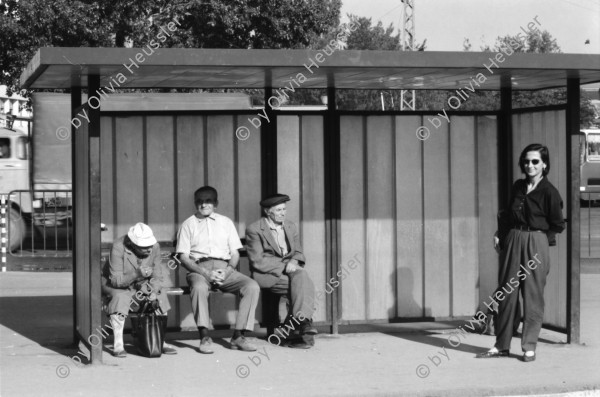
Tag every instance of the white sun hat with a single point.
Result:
(141, 235)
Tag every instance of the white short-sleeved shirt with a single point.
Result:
(214, 236)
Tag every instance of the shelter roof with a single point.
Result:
(62, 67)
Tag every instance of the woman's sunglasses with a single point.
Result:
(534, 161)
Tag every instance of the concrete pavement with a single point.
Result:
(420, 359)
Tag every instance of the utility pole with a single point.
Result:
(407, 43)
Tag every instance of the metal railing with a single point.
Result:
(590, 225)
(40, 223)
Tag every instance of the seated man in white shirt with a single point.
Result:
(208, 245)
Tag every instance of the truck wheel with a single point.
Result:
(16, 234)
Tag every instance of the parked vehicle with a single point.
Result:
(590, 166)
(14, 175)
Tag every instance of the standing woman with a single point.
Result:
(535, 210)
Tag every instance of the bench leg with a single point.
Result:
(270, 308)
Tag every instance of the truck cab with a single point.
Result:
(590, 166)
(14, 175)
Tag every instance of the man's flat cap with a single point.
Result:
(273, 200)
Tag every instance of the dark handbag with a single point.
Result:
(149, 332)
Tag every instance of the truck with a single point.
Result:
(590, 166)
(14, 175)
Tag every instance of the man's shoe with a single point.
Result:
(168, 349)
(528, 359)
(493, 354)
(206, 346)
(299, 344)
(119, 353)
(307, 328)
(241, 343)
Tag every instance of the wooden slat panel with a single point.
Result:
(288, 164)
(538, 129)
(313, 204)
(557, 309)
(548, 129)
(249, 181)
(560, 168)
(353, 239)
(488, 206)
(106, 142)
(409, 217)
(463, 169)
(129, 184)
(437, 228)
(221, 175)
(556, 284)
(220, 162)
(161, 184)
(190, 163)
(82, 247)
(381, 254)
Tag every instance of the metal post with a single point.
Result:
(94, 228)
(332, 202)
(268, 138)
(505, 150)
(573, 228)
(75, 103)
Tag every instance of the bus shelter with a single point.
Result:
(397, 208)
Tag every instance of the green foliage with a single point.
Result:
(27, 25)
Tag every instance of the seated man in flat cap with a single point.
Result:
(277, 263)
(208, 245)
(137, 273)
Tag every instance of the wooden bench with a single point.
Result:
(270, 301)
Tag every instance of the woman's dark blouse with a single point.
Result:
(541, 209)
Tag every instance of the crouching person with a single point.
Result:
(136, 274)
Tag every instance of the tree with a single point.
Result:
(368, 36)
(26, 25)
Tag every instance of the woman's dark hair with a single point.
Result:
(542, 150)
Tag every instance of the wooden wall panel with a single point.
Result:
(249, 184)
(190, 163)
(160, 187)
(488, 206)
(409, 217)
(548, 128)
(82, 218)
(381, 239)
(560, 167)
(107, 179)
(463, 199)
(129, 183)
(353, 238)
(289, 167)
(220, 162)
(191, 171)
(313, 205)
(249, 177)
(437, 223)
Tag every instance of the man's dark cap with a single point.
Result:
(273, 200)
(206, 190)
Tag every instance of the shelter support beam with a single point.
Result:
(573, 214)
(75, 104)
(505, 143)
(94, 230)
(332, 205)
(269, 145)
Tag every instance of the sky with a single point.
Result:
(446, 23)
